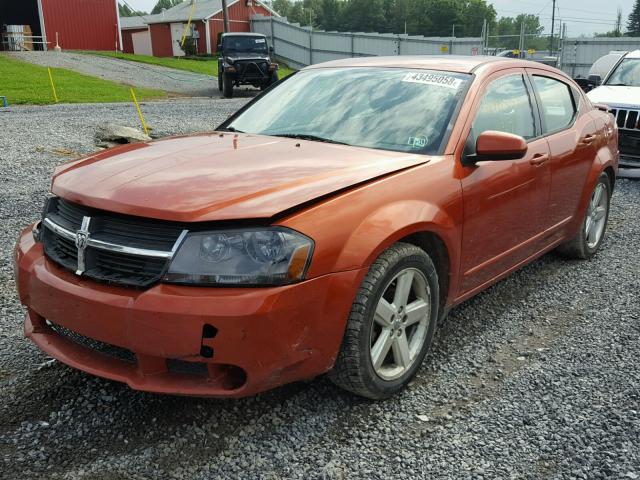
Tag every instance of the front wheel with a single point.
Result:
(273, 78)
(589, 239)
(227, 85)
(220, 81)
(391, 325)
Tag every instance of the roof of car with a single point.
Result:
(634, 54)
(451, 63)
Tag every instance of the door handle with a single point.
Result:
(589, 139)
(539, 159)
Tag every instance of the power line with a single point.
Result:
(564, 8)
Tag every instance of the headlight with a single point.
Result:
(260, 256)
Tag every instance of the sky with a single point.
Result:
(583, 17)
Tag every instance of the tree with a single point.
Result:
(633, 26)
(165, 4)
(365, 15)
(125, 11)
(283, 7)
(508, 31)
(330, 17)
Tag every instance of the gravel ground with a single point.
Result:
(132, 73)
(539, 377)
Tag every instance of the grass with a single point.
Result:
(205, 65)
(24, 83)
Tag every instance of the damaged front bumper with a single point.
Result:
(215, 342)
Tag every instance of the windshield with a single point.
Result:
(627, 73)
(244, 44)
(390, 109)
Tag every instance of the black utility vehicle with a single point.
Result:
(245, 60)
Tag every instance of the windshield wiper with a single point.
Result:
(304, 136)
(230, 129)
(617, 85)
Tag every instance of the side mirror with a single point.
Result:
(596, 80)
(498, 146)
(271, 49)
(219, 47)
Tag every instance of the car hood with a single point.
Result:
(619, 96)
(220, 176)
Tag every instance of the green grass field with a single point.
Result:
(205, 65)
(24, 83)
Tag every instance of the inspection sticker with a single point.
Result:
(433, 79)
(261, 40)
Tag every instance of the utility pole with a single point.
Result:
(553, 27)
(225, 16)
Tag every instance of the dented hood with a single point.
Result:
(220, 176)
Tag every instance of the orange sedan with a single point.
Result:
(326, 227)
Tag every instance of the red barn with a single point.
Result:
(167, 28)
(77, 24)
(135, 35)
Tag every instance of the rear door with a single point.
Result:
(573, 140)
(505, 202)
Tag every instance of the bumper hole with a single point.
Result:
(209, 331)
(230, 377)
(187, 368)
(206, 352)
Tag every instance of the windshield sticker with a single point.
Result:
(418, 143)
(260, 40)
(433, 79)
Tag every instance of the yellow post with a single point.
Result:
(184, 34)
(144, 124)
(53, 87)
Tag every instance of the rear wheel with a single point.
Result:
(220, 81)
(588, 240)
(227, 85)
(391, 324)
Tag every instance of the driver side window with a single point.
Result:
(506, 107)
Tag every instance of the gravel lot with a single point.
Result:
(539, 377)
(132, 73)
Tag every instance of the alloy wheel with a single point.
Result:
(400, 324)
(596, 216)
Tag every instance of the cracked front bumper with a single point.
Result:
(243, 340)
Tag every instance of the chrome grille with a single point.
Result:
(116, 248)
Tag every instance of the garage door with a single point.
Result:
(142, 43)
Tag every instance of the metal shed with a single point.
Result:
(76, 24)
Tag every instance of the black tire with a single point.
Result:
(220, 81)
(272, 79)
(227, 85)
(354, 370)
(579, 246)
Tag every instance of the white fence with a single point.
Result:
(302, 46)
(578, 54)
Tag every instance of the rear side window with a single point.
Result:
(557, 104)
(506, 107)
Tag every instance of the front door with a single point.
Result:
(505, 202)
(177, 31)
